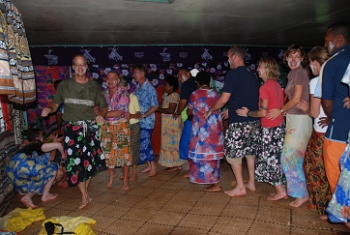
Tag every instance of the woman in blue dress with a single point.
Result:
(31, 169)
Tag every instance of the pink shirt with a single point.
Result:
(119, 101)
(272, 91)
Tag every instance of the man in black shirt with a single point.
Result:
(188, 86)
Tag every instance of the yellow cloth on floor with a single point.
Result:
(19, 218)
(80, 225)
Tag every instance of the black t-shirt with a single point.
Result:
(30, 148)
(187, 88)
(243, 86)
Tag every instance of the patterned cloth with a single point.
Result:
(204, 171)
(115, 144)
(83, 152)
(315, 174)
(241, 139)
(17, 78)
(207, 141)
(146, 152)
(298, 132)
(135, 142)
(206, 136)
(268, 166)
(340, 202)
(119, 101)
(30, 173)
(147, 97)
(171, 131)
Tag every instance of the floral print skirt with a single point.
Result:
(298, 132)
(315, 174)
(268, 158)
(83, 152)
(204, 171)
(115, 144)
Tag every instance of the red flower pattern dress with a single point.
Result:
(206, 146)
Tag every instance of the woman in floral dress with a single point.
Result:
(206, 146)
(171, 128)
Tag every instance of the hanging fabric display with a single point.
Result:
(17, 79)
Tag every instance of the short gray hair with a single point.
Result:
(123, 82)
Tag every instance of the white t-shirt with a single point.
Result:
(317, 127)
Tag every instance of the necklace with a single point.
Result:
(202, 87)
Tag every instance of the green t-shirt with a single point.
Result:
(79, 99)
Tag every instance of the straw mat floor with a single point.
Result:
(169, 204)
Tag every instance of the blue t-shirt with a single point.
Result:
(147, 96)
(187, 88)
(243, 86)
(333, 89)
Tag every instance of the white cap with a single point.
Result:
(194, 72)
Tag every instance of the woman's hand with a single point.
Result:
(207, 114)
(242, 112)
(224, 114)
(273, 113)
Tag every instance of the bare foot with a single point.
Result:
(324, 217)
(171, 168)
(82, 206)
(110, 180)
(133, 177)
(213, 188)
(151, 174)
(28, 202)
(179, 168)
(347, 224)
(236, 192)
(147, 169)
(298, 202)
(125, 187)
(187, 175)
(277, 196)
(122, 177)
(250, 186)
(48, 197)
(84, 203)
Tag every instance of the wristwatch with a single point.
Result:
(281, 110)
